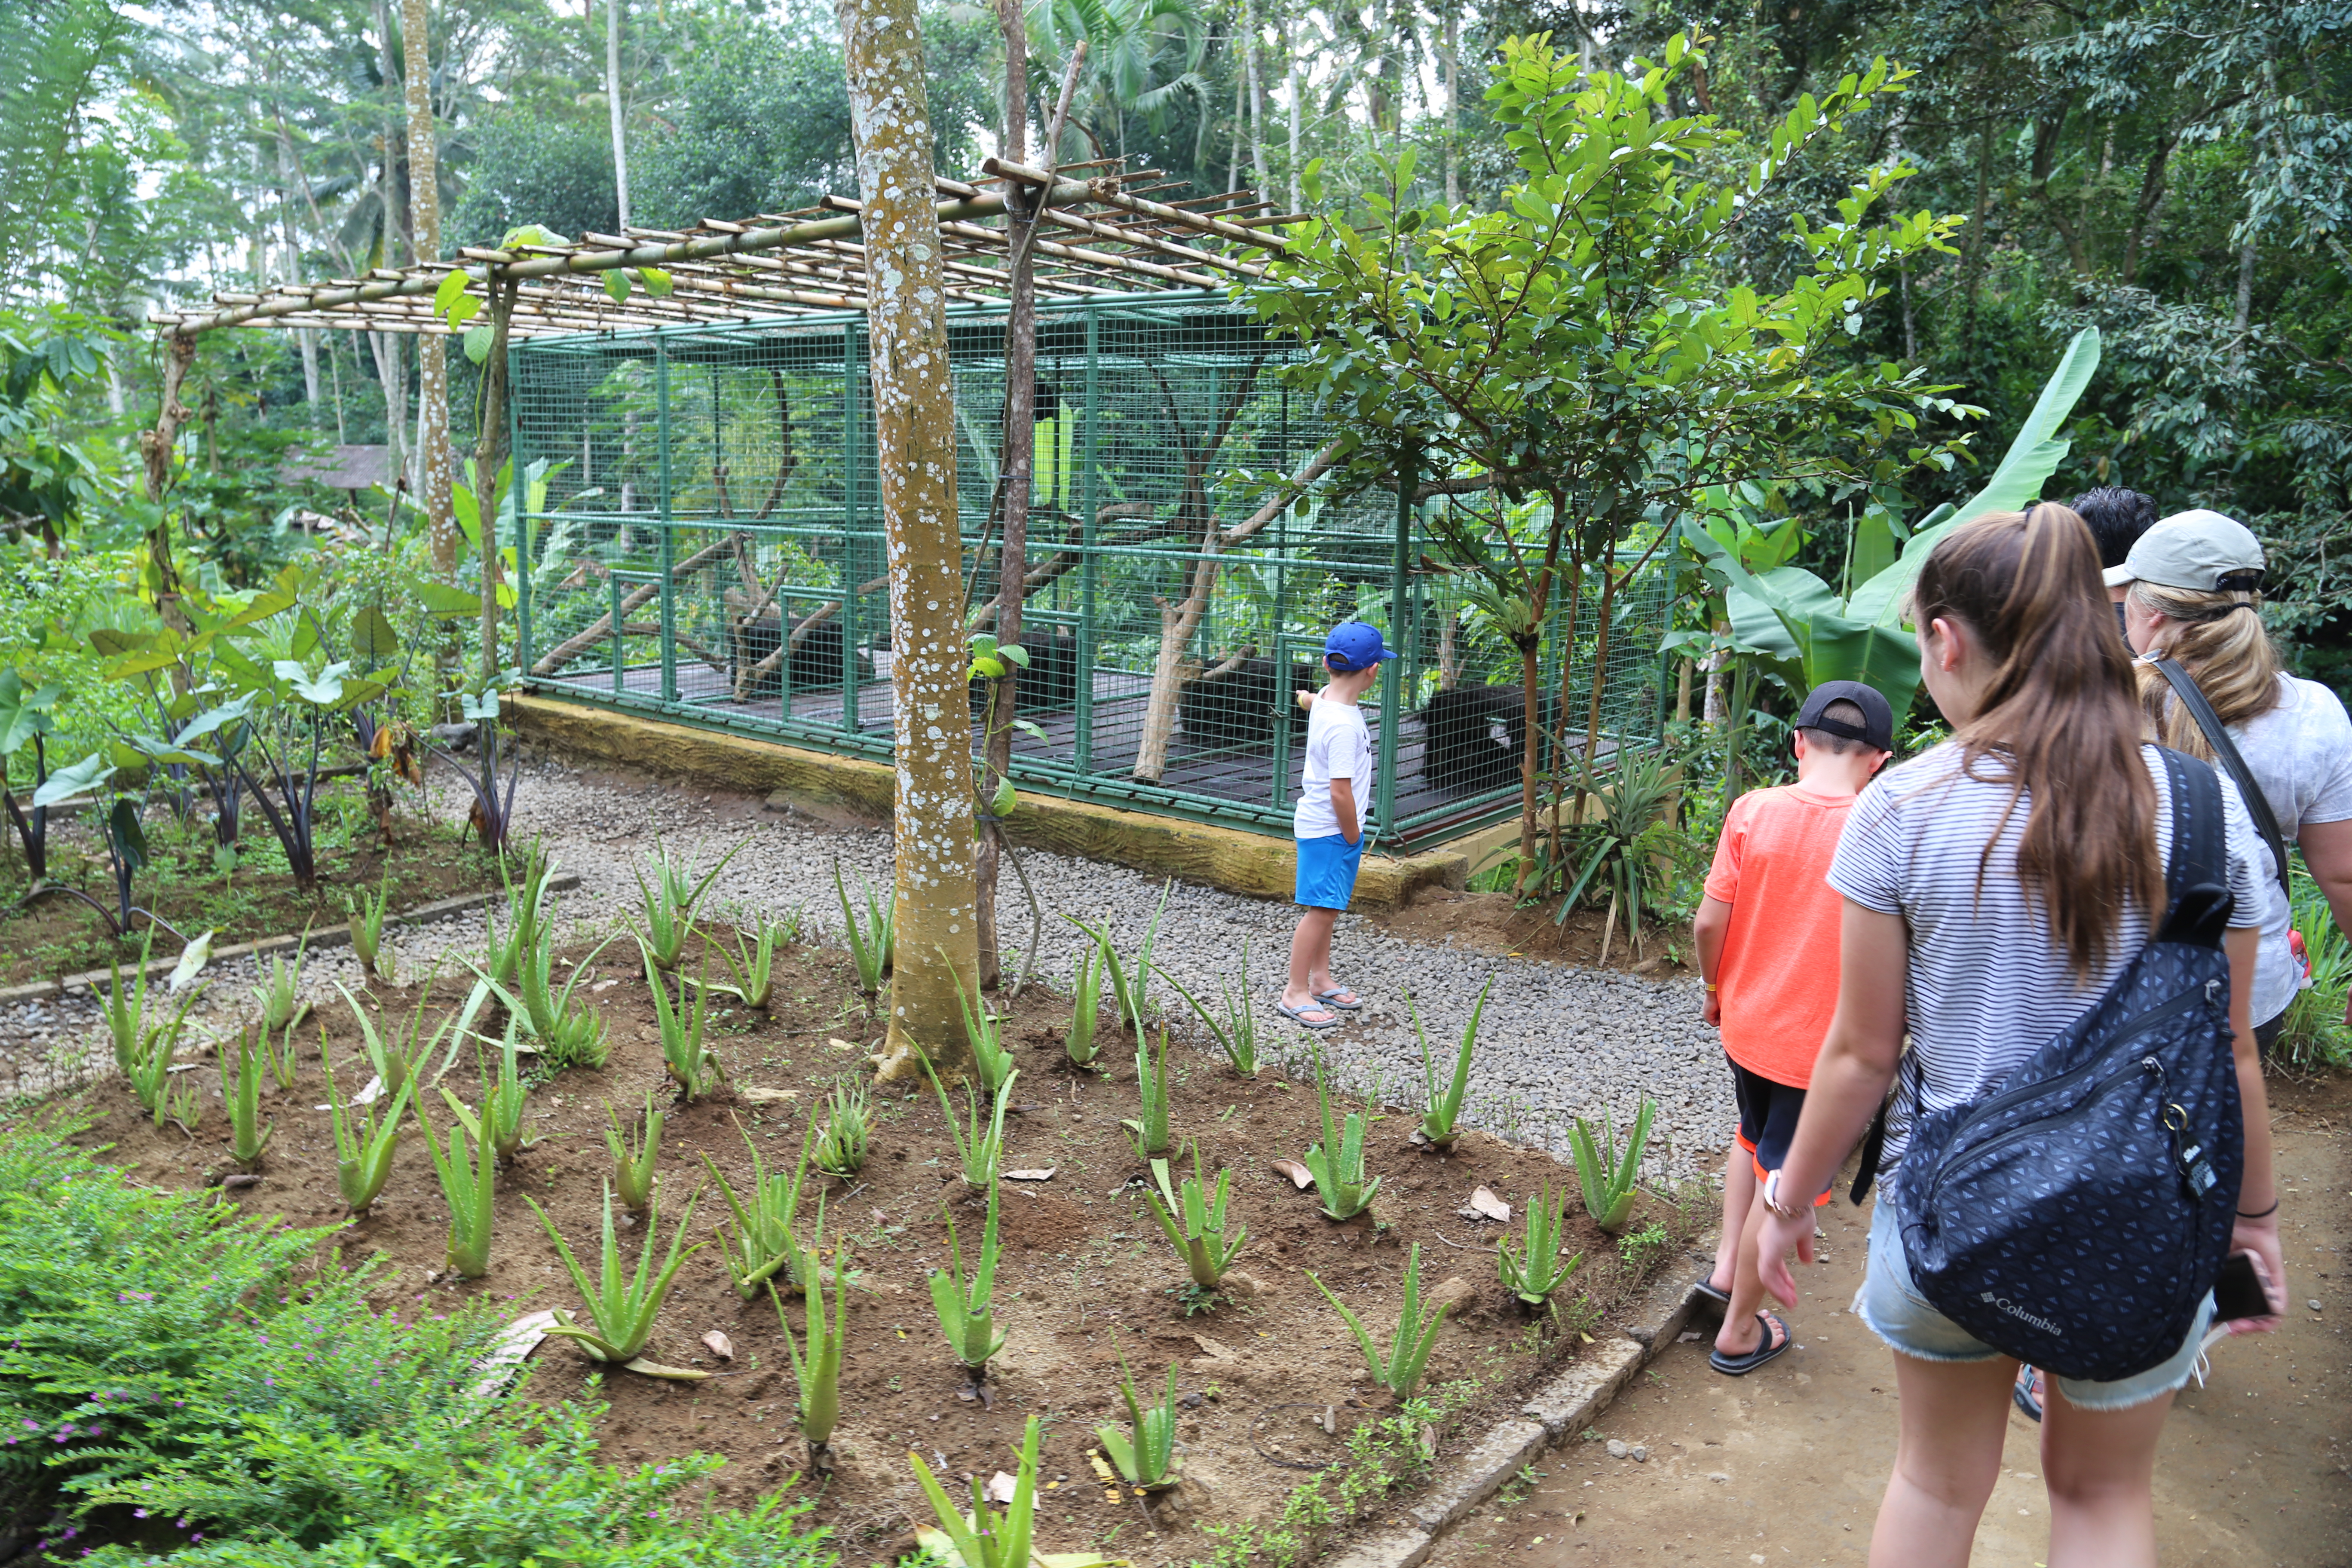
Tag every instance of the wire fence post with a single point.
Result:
(1384, 790)
(853, 529)
(1083, 709)
(518, 497)
(668, 523)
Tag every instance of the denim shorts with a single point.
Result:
(1898, 1314)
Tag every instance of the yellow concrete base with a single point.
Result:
(1224, 858)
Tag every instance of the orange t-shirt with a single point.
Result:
(1778, 976)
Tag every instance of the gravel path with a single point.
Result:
(1557, 1041)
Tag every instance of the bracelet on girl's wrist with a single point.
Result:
(2264, 1215)
(1772, 1197)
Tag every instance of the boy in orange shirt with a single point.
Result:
(1768, 948)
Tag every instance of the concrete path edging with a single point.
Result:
(336, 936)
(1554, 1413)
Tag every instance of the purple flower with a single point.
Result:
(138, 1513)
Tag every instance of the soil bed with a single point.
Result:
(56, 935)
(1087, 1280)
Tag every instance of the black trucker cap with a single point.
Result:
(1876, 729)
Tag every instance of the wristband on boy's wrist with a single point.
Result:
(2264, 1215)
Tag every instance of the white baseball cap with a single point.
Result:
(2192, 549)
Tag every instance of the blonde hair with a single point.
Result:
(2219, 638)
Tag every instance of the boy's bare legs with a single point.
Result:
(2101, 1467)
(1742, 1330)
(1310, 960)
(1954, 1416)
(1739, 1197)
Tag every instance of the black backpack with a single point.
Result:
(2076, 1217)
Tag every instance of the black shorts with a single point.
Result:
(1767, 1119)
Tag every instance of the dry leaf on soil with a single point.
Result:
(1484, 1202)
(1045, 1176)
(1300, 1176)
(721, 1346)
(1000, 1486)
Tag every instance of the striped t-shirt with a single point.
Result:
(1987, 985)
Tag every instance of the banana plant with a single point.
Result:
(242, 1089)
(1607, 1177)
(986, 1538)
(669, 902)
(364, 1139)
(965, 1304)
(817, 1374)
(469, 1179)
(1200, 1235)
(1400, 1371)
(1337, 1163)
(1145, 1453)
(1533, 1270)
(761, 1245)
(1791, 616)
(1150, 1131)
(634, 1154)
(1442, 1126)
(621, 1308)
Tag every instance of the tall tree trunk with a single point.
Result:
(1297, 92)
(613, 108)
(305, 339)
(436, 470)
(155, 450)
(1256, 93)
(2241, 320)
(936, 949)
(391, 368)
(1453, 102)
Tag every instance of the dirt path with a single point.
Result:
(1788, 1466)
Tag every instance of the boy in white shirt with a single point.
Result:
(1335, 788)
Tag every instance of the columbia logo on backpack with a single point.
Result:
(2099, 1182)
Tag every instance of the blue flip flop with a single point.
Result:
(2021, 1394)
(1331, 999)
(1298, 1017)
(1741, 1365)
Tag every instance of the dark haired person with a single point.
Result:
(2117, 518)
(1995, 887)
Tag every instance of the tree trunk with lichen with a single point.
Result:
(435, 464)
(936, 948)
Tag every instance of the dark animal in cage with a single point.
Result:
(814, 666)
(1473, 738)
(1051, 679)
(1238, 707)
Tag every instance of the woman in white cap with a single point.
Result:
(2193, 596)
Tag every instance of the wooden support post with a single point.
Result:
(155, 447)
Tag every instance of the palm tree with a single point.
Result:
(1142, 56)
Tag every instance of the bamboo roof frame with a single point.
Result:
(1108, 239)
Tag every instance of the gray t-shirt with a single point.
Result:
(1986, 986)
(2300, 753)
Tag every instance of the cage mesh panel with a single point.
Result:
(716, 487)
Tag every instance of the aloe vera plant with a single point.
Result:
(848, 1121)
(979, 1146)
(1130, 982)
(869, 936)
(1400, 1371)
(151, 1076)
(1145, 1453)
(469, 1185)
(621, 1308)
(569, 1035)
(986, 1538)
(816, 1375)
(365, 1139)
(242, 1089)
(502, 1105)
(367, 912)
(136, 1036)
(1078, 1045)
(398, 1055)
(985, 1029)
(280, 991)
(669, 902)
(182, 1103)
(1235, 1028)
(1442, 1126)
(1607, 1177)
(753, 964)
(965, 1304)
(691, 1063)
(761, 1245)
(279, 1052)
(1150, 1130)
(1533, 1270)
(1337, 1163)
(1200, 1235)
(634, 1154)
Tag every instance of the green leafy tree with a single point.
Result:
(1563, 378)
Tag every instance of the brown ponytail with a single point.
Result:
(2061, 715)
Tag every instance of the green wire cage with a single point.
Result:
(704, 545)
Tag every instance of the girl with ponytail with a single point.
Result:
(1995, 887)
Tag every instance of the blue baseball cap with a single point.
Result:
(1353, 645)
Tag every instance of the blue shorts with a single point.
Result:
(1326, 870)
(1898, 1314)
